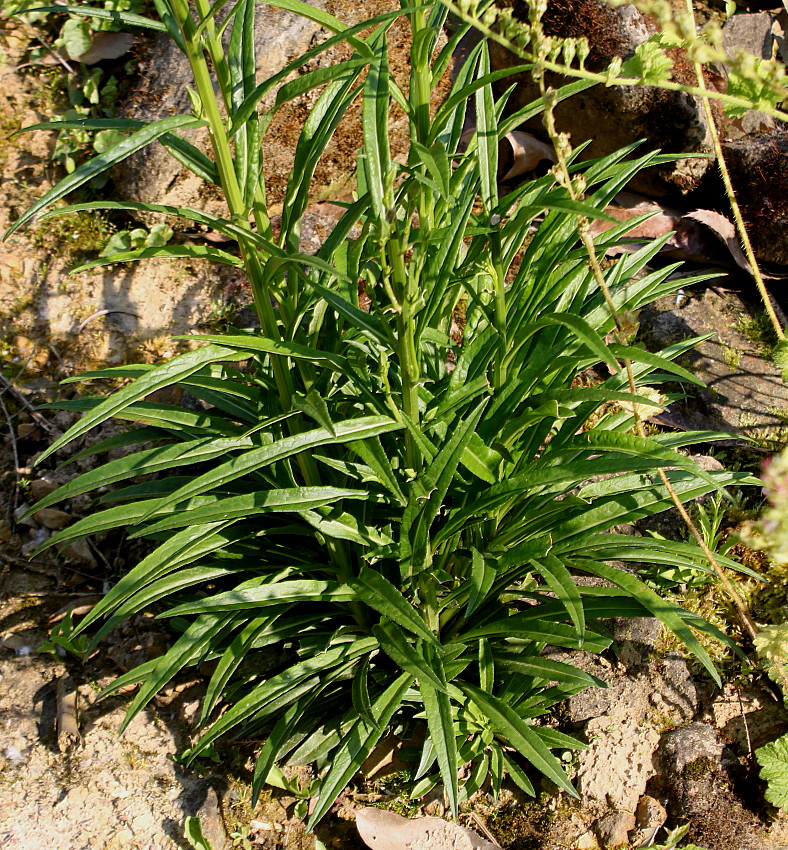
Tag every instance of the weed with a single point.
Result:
(392, 507)
(731, 357)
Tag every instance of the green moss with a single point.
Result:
(74, 237)
(699, 768)
(758, 330)
(522, 826)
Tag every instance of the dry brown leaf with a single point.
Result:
(628, 206)
(78, 608)
(106, 45)
(382, 830)
(527, 153)
(725, 230)
(384, 759)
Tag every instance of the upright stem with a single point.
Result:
(232, 192)
(737, 216)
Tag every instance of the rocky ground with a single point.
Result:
(666, 746)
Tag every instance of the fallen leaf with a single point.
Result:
(382, 830)
(106, 45)
(725, 230)
(526, 152)
(627, 206)
(384, 758)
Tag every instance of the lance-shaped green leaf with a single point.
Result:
(443, 734)
(541, 631)
(129, 19)
(164, 376)
(379, 593)
(487, 136)
(234, 508)
(520, 735)
(560, 581)
(279, 593)
(182, 549)
(357, 744)
(247, 462)
(283, 689)
(544, 668)
(375, 128)
(396, 644)
(165, 252)
(145, 462)
(98, 165)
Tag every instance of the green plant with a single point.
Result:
(127, 240)
(401, 504)
(673, 839)
(89, 91)
(192, 830)
(773, 759)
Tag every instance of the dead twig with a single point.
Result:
(8, 387)
(482, 826)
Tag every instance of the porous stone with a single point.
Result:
(615, 768)
(701, 780)
(624, 699)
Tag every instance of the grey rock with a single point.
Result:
(752, 33)
(613, 829)
(211, 820)
(744, 392)
(690, 744)
(637, 638)
(625, 699)
(674, 695)
(697, 780)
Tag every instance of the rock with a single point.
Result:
(748, 715)
(650, 815)
(152, 175)
(691, 745)
(211, 820)
(624, 699)
(382, 830)
(615, 768)
(752, 33)
(744, 392)
(674, 696)
(759, 171)
(613, 829)
(42, 487)
(614, 116)
(52, 518)
(637, 638)
(697, 779)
